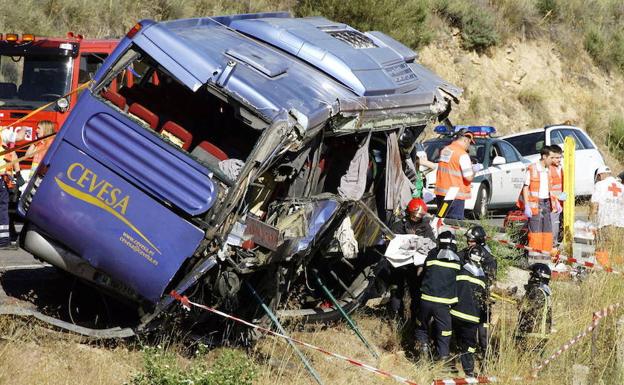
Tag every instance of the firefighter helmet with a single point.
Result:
(477, 234)
(540, 272)
(476, 254)
(417, 206)
(446, 240)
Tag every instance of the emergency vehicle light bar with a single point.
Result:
(14, 37)
(476, 130)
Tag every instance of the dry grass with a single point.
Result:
(30, 354)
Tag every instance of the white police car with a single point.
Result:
(587, 157)
(499, 182)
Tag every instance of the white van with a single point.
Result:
(587, 159)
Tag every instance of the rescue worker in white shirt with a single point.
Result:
(476, 236)
(472, 297)
(8, 137)
(535, 316)
(607, 203)
(438, 291)
(455, 169)
(415, 222)
(538, 201)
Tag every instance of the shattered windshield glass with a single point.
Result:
(31, 81)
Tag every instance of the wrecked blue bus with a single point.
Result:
(251, 148)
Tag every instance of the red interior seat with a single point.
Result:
(214, 150)
(143, 113)
(179, 132)
(115, 98)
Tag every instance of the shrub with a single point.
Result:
(517, 18)
(595, 45)
(545, 7)
(617, 50)
(475, 22)
(615, 137)
(406, 21)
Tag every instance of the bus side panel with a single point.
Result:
(140, 156)
(113, 225)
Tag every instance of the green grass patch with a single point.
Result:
(162, 367)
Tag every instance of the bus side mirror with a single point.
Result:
(62, 105)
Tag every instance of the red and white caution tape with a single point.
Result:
(557, 258)
(465, 381)
(599, 315)
(502, 241)
(186, 303)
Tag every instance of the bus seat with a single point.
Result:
(214, 150)
(7, 90)
(143, 113)
(115, 98)
(178, 132)
(208, 153)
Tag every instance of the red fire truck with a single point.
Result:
(35, 71)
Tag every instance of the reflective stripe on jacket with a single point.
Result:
(472, 295)
(450, 172)
(439, 283)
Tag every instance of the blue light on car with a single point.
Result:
(441, 130)
(477, 130)
(483, 130)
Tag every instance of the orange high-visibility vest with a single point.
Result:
(534, 185)
(556, 180)
(450, 173)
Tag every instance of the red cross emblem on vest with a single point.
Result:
(615, 190)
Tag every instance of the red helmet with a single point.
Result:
(418, 206)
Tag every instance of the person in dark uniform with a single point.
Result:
(438, 292)
(466, 313)
(5, 239)
(476, 236)
(414, 222)
(535, 316)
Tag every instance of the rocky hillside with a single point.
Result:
(526, 84)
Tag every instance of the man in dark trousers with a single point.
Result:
(438, 292)
(415, 222)
(8, 172)
(466, 313)
(476, 236)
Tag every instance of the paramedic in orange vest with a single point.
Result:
(39, 149)
(455, 170)
(8, 137)
(538, 201)
(556, 186)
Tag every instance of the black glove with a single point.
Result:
(19, 180)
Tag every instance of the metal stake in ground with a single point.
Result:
(344, 314)
(279, 326)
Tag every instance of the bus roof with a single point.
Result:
(317, 67)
